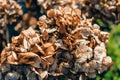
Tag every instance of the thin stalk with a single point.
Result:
(6, 29)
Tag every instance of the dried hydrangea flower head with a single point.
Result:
(9, 12)
(107, 10)
(65, 43)
(49, 4)
(10, 8)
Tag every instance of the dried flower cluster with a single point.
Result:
(107, 10)
(97, 9)
(9, 12)
(49, 4)
(65, 43)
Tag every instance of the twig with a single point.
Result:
(6, 29)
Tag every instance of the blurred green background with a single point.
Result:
(113, 50)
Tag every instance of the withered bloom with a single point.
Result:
(107, 10)
(65, 43)
(49, 4)
(10, 10)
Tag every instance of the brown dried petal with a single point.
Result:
(99, 52)
(43, 74)
(34, 39)
(25, 44)
(46, 45)
(29, 58)
(107, 61)
(4, 56)
(50, 50)
(32, 21)
(85, 67)
(84, 54)
(93, 64)
(12, 59)
(104, 36)
(37, 49)
(85, 32)
(51, 13)
(28, 33)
